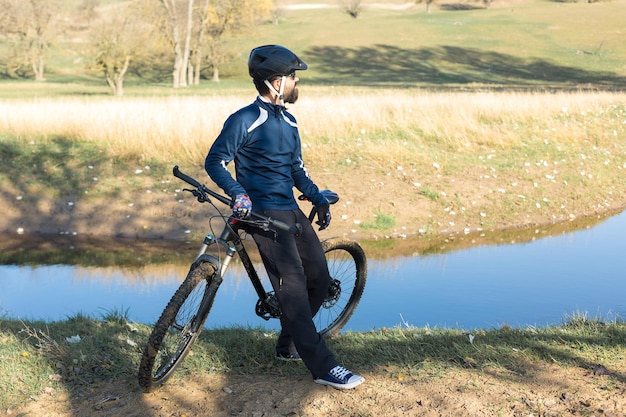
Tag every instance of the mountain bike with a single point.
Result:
(185, 315)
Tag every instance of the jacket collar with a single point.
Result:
(276, 109)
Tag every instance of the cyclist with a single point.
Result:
(263, 141)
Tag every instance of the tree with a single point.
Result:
(197, 30)
(352, 7)
(120, 38)
(427, 2)
(27, 25)
(228, 18)
(177, 26)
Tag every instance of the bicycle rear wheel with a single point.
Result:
(180, 324)
(348, 271)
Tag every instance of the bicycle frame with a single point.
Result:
(267, 306)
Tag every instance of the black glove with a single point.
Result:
(323, 216)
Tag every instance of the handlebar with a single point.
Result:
(202, 190)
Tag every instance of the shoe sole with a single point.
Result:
(350, 385)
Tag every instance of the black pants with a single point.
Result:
(299, 275)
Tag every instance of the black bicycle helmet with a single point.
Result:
(270, 60)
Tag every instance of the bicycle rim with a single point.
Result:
(178, 327)
(348, 271)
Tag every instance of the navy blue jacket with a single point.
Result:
(263, 140)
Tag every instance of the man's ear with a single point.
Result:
(276, 83)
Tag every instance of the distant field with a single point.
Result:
(521, 44)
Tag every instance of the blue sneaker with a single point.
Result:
(340, 378)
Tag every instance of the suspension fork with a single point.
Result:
(223, 240)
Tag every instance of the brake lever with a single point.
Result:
(200, 195)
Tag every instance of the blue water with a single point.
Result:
(535, 283)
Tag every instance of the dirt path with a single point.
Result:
(544, 391)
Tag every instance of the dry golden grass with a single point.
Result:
(404, 161)
(368, 122)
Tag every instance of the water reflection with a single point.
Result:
(533, 283)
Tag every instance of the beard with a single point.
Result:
(292, 97)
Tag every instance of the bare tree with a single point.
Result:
(427, 2)
(178, 27)
(27, 26)
(197, 31)
(120, 38)
(229, 18)
(352, 7)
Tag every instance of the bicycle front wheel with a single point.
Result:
(348, 271)
(180, 324)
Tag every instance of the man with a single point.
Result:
(263, 141)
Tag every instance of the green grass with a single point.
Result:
(36, 356)
(381, 222)
(60, 166)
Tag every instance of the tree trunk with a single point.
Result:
(178, 52)
(187, 48)
(38, 69)
(189, 74)
(115, 78)
(196, 72)
(198, 53)
(216, 74)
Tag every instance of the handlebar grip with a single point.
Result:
(191, 181)
(185, 177)
(294, 230)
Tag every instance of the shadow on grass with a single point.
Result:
(99, 371)
(250, 351)
(447, 66)
(45, 181)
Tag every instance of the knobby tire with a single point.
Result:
(180, 324)
(348, 265)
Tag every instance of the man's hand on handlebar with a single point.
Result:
(323, 216)
(242, 206)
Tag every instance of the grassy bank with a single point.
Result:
(46, 359)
